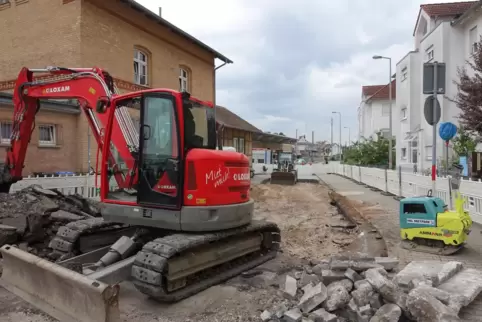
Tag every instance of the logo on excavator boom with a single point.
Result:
(58, 89)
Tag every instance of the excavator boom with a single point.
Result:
(93, 88)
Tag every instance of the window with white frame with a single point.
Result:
(404, 153)
(429, 54)
(47, 135)
(404, 74)
(241, 145)
(183, 80)
(403, 113)
(385, 109)
(235, 144)
(473, 40)
(5, 132)
(140, 67)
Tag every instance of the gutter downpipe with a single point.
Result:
(220, 134)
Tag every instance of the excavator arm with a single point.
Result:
(93, 88)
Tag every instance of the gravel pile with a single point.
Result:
(366, 289)
(31, 217)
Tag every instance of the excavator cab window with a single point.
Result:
(199, 126)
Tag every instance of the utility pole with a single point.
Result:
(340, 147)
(331, 146)
(349, 135)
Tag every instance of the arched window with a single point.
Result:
(141, 61)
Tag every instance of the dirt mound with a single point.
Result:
(32, 216)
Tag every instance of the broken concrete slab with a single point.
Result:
(352, 275)
(64, 216)
(426, 270)
(318, 268)
(46, 192)
(308, 279)
(388, 263)
(338, 296)
(293, 315)
(321, 315)
(330, 276)
(266, 316)
(358, 265)
(291, 287)
(314, 297)
(8, 234)
(448, 271)
(464, 287)
(426, 308)
(387, 313)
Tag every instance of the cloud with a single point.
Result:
(296, 63)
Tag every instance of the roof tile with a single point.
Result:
(447, 9)
(379, 92)
(232, 120)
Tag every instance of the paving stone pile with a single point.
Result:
(360, 288)
(31, 217)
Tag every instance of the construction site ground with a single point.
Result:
(312, 229)
(382, 212)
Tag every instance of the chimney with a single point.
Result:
(160, 11)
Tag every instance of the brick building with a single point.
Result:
(137, 47)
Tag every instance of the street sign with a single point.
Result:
(428, 81)
(428, 110)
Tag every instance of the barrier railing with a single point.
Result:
(402, 184)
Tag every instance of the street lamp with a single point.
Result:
(390, 135)
(340, 131)
(349, 135)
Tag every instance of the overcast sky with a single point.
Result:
(297, 61)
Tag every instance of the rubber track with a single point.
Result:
(447, 250)
(65, 241)
(151, 261)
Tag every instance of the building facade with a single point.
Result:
(447, 33)
(374, 111)
(136, 46)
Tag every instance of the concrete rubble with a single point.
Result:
(31, 217)
(360, 288)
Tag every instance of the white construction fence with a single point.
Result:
(403, 184)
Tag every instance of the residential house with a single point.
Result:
(305, 148)
(374, 111)
(136, 46)
(443, 32)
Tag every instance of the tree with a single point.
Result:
(464, 143)
(469, 95)
(368, 152)
(281, 133)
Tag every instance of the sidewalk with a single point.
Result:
(383, 213)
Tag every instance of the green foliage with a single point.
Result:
(464, 143)
(369, 152)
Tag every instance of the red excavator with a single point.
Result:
(179, 208)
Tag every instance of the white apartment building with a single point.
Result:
(374, 111)
(444, 32)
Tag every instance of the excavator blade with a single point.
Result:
(284, 178)
(63, 294)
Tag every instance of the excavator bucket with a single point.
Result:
(63, 294)
(284, 178)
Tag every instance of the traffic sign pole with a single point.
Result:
(434, 128)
